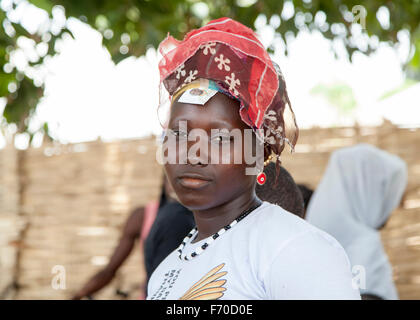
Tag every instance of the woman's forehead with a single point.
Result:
(219, 111)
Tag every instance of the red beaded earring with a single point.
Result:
(261, 177)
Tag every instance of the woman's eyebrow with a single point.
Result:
(176, 120)
(213, 123)
(221, 124)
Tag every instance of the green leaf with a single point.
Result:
(43, 4)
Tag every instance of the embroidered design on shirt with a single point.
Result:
(167, 284)
(209, 287)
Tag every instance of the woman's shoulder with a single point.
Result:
(275, 224)
(272, 216)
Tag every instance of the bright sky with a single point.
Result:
(87, 96)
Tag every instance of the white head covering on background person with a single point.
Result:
(360, 188)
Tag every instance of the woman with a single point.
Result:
(360, 188)
(220, 79)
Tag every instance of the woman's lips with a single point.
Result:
(193, 183)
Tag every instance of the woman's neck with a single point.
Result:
(211, 220)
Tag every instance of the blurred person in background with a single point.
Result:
(141, 225)
(360, 188)
(136, 226)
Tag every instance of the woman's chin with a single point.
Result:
(193, 202)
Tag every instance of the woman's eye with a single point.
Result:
(221, 139)
(179, 134)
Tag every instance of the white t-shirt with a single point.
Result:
(270, 254)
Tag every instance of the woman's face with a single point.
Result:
(200, 183)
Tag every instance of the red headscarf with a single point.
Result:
(230, 53)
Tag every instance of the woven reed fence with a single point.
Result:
(73, 201)
(65, 205)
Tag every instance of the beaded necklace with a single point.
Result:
(204, 246)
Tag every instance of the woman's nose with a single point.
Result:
(198, 145)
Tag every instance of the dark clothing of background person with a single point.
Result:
(172, 224)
